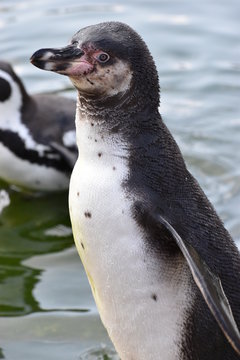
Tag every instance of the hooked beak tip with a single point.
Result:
(41, 58)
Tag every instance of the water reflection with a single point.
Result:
(100, 353)
(24, 233)
(1, 354)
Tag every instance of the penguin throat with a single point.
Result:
(123, 105)
(123, 119)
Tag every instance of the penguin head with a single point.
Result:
(104, 60)
(12, 94)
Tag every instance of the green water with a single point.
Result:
(46, 308)
(24, 226)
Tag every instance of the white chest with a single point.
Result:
(141, 310)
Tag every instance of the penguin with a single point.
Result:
(164, 272)
(37, 136)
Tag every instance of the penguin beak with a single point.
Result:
(68, 61)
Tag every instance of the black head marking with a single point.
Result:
(6, 67)
(5, 90)
(111, 37)
(26, 99)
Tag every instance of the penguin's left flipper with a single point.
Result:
(208, 283)
(66, 154)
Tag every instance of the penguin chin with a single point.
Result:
(104, 81)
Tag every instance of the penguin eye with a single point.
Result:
(5, 90)
(103, 57)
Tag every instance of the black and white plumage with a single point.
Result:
(164, 271)
(37, 136)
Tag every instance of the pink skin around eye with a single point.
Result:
(97, 53)
(85, 64)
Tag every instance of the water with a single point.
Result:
(46, 308)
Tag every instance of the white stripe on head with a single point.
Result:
(10, 115)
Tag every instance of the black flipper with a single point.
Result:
(68, 156)
(208, 283)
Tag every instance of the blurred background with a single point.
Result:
(46, 308)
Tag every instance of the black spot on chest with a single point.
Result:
(154, 297)
(88, 214)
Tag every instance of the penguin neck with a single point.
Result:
(124, 116)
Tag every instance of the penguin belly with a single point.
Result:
(142, 310)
